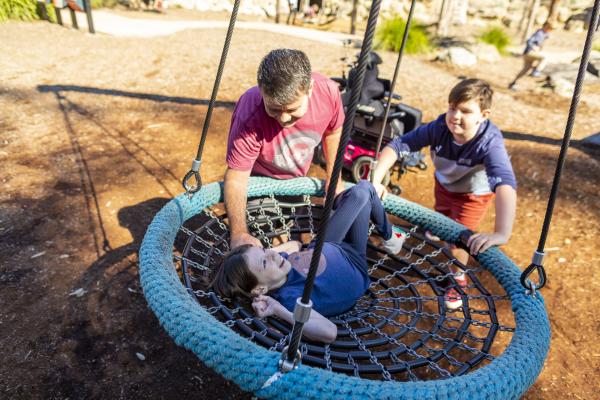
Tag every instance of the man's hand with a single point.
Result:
(480, 242)
(244, 238)
(265, 306)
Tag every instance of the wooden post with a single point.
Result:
(277, 4)
(88, 13)
(73, 18)
(353, 17)
(58, 15)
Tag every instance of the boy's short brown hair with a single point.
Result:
(472, 89)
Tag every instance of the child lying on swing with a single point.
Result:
(274, 278)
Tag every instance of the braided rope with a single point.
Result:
(250, 365)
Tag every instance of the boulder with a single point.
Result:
(458, 56)
(561, 86)
(562, 77)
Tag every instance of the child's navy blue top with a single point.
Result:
(344, 280)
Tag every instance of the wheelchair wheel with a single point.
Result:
(361, 168)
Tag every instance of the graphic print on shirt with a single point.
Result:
(295, 150)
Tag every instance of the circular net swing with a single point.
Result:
(399, 333)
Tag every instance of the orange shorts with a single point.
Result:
(466, 208)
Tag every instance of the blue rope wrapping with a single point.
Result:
(250, 365)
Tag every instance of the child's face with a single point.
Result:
(268, 266)
(464, 119)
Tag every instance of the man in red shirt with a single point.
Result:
(275, 128)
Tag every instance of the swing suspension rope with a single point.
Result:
(537, 263)
(189, 187)
(400, 330)
(303, 306)
(393, 85)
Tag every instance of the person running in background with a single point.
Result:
(533, 58)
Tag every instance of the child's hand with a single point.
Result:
(265, 306)
(291, 246)
(480, 242)
(381, 190)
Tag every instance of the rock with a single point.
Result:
(562, 77)
(461, 57)
(593, 139)
(487, 8)
(563, 14)
(78, 293)
(576, 26)
(458, 56)
(486, 52)
(459, 12)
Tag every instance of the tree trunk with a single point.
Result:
(277, 4)
(526, 8)
(531, 20)
(553, 11)
(353, 17)
(444, 18)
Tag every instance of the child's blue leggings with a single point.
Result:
(349, 222)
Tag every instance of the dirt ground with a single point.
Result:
(95, 134)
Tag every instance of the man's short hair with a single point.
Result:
(283, 74)
(472, 89)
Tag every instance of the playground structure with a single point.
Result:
(511, 373)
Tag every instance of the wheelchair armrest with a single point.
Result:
(364, 109)
(396, 114)
(395, 96)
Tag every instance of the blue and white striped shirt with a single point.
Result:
(478, 166)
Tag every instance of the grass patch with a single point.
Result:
(389, 36)
(103, 4)
(497, 37)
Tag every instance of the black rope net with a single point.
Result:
(399, 330)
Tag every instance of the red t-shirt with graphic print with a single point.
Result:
(259, 144)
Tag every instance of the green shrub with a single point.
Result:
(103, 4)
(596, 47)
(497, 38)
(389, 36)
(25, 10)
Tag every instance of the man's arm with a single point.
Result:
(331, 142)
(236, 188)
(506, 206)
